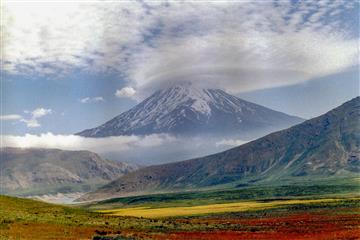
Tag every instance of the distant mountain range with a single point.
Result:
(325, 146)
(39, 171)
(187, 110)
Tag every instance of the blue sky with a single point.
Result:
(74, 68)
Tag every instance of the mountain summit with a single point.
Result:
(184, 110)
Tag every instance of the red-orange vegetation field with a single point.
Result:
(323, 225)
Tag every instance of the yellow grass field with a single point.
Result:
(149, 212)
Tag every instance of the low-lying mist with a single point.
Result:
(140, 150)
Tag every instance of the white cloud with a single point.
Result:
(32, 121)
(74, 142)
(40, 112)
(54, 38)
(150, 149)
(238, 46)
(10, 117)
(243, 63)
(92, 100)
(37, 113)
(125, 92)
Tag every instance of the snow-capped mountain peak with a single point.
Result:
(188, 109)
(196, 98)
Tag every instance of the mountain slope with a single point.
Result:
(185, 109)
(55, 170)
(324, 146)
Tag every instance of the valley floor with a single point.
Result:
(332, 216)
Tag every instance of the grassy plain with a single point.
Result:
(149, 212)
(262, 212)
(327, 188)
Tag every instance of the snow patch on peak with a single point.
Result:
(196, 98)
